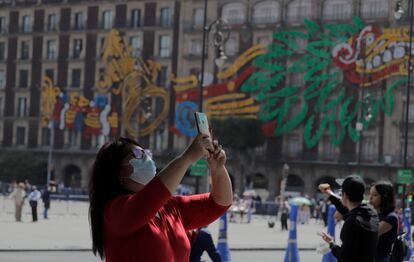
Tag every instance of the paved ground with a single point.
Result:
(84, 256)
(68, 229)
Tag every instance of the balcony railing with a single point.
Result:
(190, 26)
(265, 20)
(375, 14)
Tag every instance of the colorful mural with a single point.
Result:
(223, 99)
(131, 78)
(75, 112)
(135, 81)
(364, 55)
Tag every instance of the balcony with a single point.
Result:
(165, 23)
(372, 14)
(265, 21)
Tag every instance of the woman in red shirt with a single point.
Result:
(134, 216)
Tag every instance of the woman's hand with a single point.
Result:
(201, 146)
(327, 238)
(217, 158)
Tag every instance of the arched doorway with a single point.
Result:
(294, 185)
(260, 181)
(72, 176)
(327, 180)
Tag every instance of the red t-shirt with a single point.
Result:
(133, 232)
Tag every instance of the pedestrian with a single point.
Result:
(133, 214)
(284, 214)
(18, 195)
(34, 197)
(46, 202)
(359, 234)
(383, 200)
(201, 241)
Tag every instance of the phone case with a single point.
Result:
(202, 123)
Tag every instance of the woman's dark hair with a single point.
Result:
(386, 191)
(105, 185)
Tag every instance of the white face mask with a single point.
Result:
(144, 170)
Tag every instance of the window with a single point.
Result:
(135, 18)
(368, 148)
(50, 73)
(328, 149)
(135, 43)
(22, 106)
(76, 77)
(337, 9)
(293, 145)
(234, 13)
(163, 77)
(165, 16)
(79, 21)
(46, 134)
(51, 49)
(2, 79)
(23, 78)
(165, 46)
(299, 10)
(266, 12)
(1, 106)
(231, 47)
(195, 47)
(24, 50)
(3, 27)
(73, 138)
(52, 23)
(2, 51)
(410, 112)
(77, 48)
(198, 17)
(27, 24)
(297, 79)
(375, 8)
(107, 19)
(264, 40)
(20, 135)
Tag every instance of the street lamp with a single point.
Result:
(398, 13)
(49, 158)
(219, 29)
(220, 32)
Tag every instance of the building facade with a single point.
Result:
(65, 40)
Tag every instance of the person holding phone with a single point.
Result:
(359, 234)
(133, 214)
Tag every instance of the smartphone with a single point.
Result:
(202, 123)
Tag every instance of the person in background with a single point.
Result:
(359, 234)
(46, 202)
(18, 195)
(382, 198)
(133, 214)
(284, 215)
(201, 241)
(34, 197)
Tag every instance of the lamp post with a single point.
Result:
(220, 37)
(398, 14)
(285, 174)
(49, 157)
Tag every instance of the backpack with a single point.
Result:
(399, 249)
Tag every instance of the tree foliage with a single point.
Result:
(237, 133)
(23, 165)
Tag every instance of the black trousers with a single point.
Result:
(33, 205)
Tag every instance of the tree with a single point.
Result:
(23, 165)
(240, 136)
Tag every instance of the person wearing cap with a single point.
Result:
(359, 234)
(133, 214)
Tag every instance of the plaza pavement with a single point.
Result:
(68, 229)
